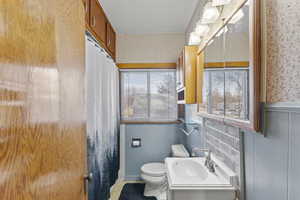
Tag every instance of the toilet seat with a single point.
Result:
(154, 169)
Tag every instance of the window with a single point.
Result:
(217, 92)
(231, 100)
(236, 94)
(148, 95)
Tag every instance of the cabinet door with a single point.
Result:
(98, 20)
(177, 75)
(181, 71)
(86, 4)
(110, 38)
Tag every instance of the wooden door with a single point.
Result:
(42, 106)
(110, 38)
(98, 21)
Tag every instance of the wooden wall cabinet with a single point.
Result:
(186, 75)
(98, 20)
(86, 4)
(180, 71)
(99, 26)
(110, 38)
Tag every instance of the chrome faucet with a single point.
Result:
(209, 163)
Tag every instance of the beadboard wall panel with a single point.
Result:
(294, 160)
(272, 163)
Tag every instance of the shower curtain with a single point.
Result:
(102, 120)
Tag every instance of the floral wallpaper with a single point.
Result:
(283, 50)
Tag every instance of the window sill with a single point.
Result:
(150, 122)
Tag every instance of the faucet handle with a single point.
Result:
(211, 166)
(209, 154)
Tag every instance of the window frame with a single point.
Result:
(209, 92)
(148, 120)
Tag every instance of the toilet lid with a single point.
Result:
(154, 169)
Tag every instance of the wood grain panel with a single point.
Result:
(190, 74)
(98, 25)
(42, 125)
(98, 20)
(181, 68)
(110, 38)
(87, 8)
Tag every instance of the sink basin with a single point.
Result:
(189, 169)
(188, 178)
(192, 173)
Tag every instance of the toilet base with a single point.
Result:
(154, 190)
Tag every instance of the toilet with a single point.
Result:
(154, 174)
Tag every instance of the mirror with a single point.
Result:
(237, 45)
(214, 77)
(231, 78)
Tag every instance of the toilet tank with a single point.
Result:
(178, 150)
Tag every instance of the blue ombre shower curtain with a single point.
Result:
(102, 86)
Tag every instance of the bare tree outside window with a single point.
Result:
(148, 96)
(231, 100)
(236, 93)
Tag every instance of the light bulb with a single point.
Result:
(210, 14)
(195, 39)
(202, 29)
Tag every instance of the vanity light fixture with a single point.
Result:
(237, 17)
(195, 39)
(223, 30)
(202, 29)
(210, 14)
(220, 2)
